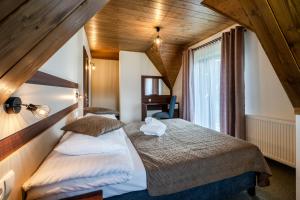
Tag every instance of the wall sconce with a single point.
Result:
(93, 66)
(78, 96)
(14, 105)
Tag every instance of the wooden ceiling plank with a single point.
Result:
(197, 7)
(37, 56)
(8, 6)
(23, 29)
(146, 8)
(139, 16)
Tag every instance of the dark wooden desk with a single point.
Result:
(158, 106)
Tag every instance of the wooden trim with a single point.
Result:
(42, 78)
(297, 111)
(15, 141)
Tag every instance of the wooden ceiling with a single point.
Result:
(277, 26)
(130, 25)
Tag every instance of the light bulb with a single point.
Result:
(40, 111)
(157, 40)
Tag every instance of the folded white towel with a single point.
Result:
(153, 127)
(151, 120)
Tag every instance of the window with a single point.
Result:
(205, 85)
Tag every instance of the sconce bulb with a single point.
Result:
(41, 111)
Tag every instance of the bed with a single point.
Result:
(188, 162)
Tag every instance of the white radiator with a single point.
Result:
(275, 138)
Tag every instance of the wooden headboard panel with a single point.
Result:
(13, 142)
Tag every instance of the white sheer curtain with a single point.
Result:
(205, 85)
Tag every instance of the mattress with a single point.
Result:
(75, 187)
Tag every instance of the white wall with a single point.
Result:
(65, 63)
(105, 84)
(264, 93)
(177, 89)
(132, 65)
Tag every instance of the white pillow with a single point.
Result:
(110, 116)
(79, 144)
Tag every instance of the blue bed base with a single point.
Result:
(214, 191)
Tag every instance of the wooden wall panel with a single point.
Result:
(26, 67)
(42, 78)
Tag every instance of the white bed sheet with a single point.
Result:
(74, 187)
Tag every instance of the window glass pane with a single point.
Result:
(206, 85)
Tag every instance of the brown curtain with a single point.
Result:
(232, 97)
(187, 61)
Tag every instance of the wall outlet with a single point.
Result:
(6, 184)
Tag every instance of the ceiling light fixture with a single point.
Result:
(158, 40)
(14, 105)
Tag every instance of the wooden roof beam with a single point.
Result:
(43, 27)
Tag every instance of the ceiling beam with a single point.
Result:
(155, 57)
(167, 60)
(46, 29)
(231, 9)
(107, 55)
(27, 26)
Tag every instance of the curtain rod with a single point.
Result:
(212, 41)
(208, 43)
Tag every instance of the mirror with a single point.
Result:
(155, 86)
